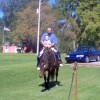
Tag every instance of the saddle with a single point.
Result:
(48, 58)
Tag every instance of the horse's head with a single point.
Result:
(46, 61)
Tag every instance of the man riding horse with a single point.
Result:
(53, 45)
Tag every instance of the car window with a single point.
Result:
(92, 49)
(83, 49)
(76, 49)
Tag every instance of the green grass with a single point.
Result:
(19, 80)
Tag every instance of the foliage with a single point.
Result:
(69, 28)
(21, 17)
(85, 27)
(65, 44)
(28, 20)
(47, 17)
(26, 24)
(0, 36)
(89, 22)
(81, 21)
(10, 9)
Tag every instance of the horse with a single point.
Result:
(50, 64)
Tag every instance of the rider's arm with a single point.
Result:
(52, 45)
(42, 39)
(53, 41)
(43, 44)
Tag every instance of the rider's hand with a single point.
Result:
(49, 46)
(45, 46)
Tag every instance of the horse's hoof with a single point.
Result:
(57, 85)
(46, 90)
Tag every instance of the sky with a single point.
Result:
(52, 1)
(1, 14)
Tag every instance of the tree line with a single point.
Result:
(74, 22)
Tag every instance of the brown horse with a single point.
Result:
(50, 64)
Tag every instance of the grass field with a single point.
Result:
(19, 80)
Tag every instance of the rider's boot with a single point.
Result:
(60, 63)
(59, 58)
(38, 62)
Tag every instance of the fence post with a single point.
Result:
(75, 79)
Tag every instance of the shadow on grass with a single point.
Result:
(51, 85)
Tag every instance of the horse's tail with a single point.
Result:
(52, 74)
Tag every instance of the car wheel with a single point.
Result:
(98, 58)
(87, 60)
(68, 62)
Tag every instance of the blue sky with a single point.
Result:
(1, 14)
(52, 1)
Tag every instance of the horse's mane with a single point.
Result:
(48, 56)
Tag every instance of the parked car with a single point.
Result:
(19, 48)
(83, 54)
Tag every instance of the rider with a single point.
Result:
(53, 39)
(47, 44)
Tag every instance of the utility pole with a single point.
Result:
(39, 14)
(3, 37)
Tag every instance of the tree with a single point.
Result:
(89, 22)
(82, 20)
(68, 27)
(27, 20)
(10, 9)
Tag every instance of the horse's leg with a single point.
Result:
(45, 81)
(57, 69)
(48, 80)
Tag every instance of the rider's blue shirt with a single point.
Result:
(52, 38)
